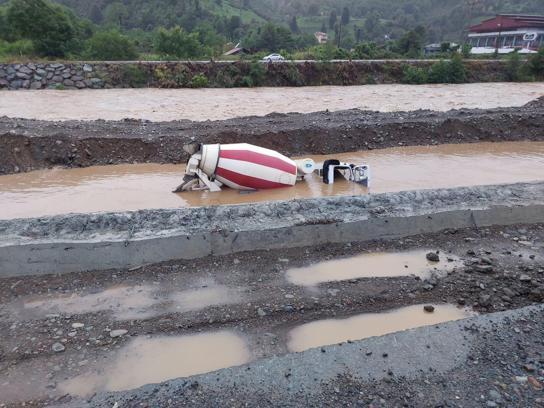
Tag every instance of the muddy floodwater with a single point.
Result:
(215, 104)
(374, 265)
(146, 186)
(332, 331)
(145, 361)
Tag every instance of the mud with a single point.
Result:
(264, 318)
(331, 331)
(30, 144)
(194, 104)
(148, 186)
(382, 265)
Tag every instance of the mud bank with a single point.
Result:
(27, 144)
(428, 366)
(83, 242)
(250, 296)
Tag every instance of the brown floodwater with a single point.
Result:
(372, 265)
(332, 331)
(146, 186)
(154, 360)
(215, 104)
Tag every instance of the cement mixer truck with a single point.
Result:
(243, 166)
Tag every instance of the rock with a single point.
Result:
(58, 347)
(87, 68)
(494, 396)
(35, 85)
(521, 379)
(261, 312)
(118, 333)
(490, 404)
(80, 85)
(486, 269)
(525, 278)
(433, 257)
(68, 82)
(77, 325)
(428, 308)
(25, 70)
(484, 300)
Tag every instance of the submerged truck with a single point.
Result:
(243, 166)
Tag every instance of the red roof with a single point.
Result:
(508, 22)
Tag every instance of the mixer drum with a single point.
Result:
(247, 167)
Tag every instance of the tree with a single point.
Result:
(116, 14)
(110, 46)
(176, 42)
(536, 63)
(293, 25)
(96, 15)
(332, 20)
(345, 16)
(411, 43)
(46, 24)
(323, 27)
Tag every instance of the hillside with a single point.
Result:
(443, 19)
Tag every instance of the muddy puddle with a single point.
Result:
(216, 104)
(332, 331)
(372, 265)
(146, 186)
(129, 302)
(153, 360)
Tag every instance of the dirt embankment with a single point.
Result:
(30, 144)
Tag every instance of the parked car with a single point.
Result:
(273, 57)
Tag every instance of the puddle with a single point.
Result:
(333, 331)
(125, 302)
(377, 265)
(214, 104)
(148, 361)
(146, 186)
(132, 302)
(197, 299)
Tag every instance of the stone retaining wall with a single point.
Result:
(82, 75)
(56, 75)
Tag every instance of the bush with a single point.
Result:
(514, 67)
(16, 48)
(177, 43)
(448, 72)
(110, 46)
(536, 63)
(415, 75)
(199, 81)
(133, 76)
(45, 23)
(256, 75)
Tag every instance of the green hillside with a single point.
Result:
(125, 29)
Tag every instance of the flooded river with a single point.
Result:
(144, 186)
(214, 104)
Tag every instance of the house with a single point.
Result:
(506, 33)
(237, 51)
(321, 38)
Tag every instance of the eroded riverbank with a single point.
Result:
(29, 145)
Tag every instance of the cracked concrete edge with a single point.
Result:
(406, 214)
(146, 224)
(440, 348)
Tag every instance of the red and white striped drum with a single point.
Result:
(247, 167)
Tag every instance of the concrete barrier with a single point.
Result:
(397, 215)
